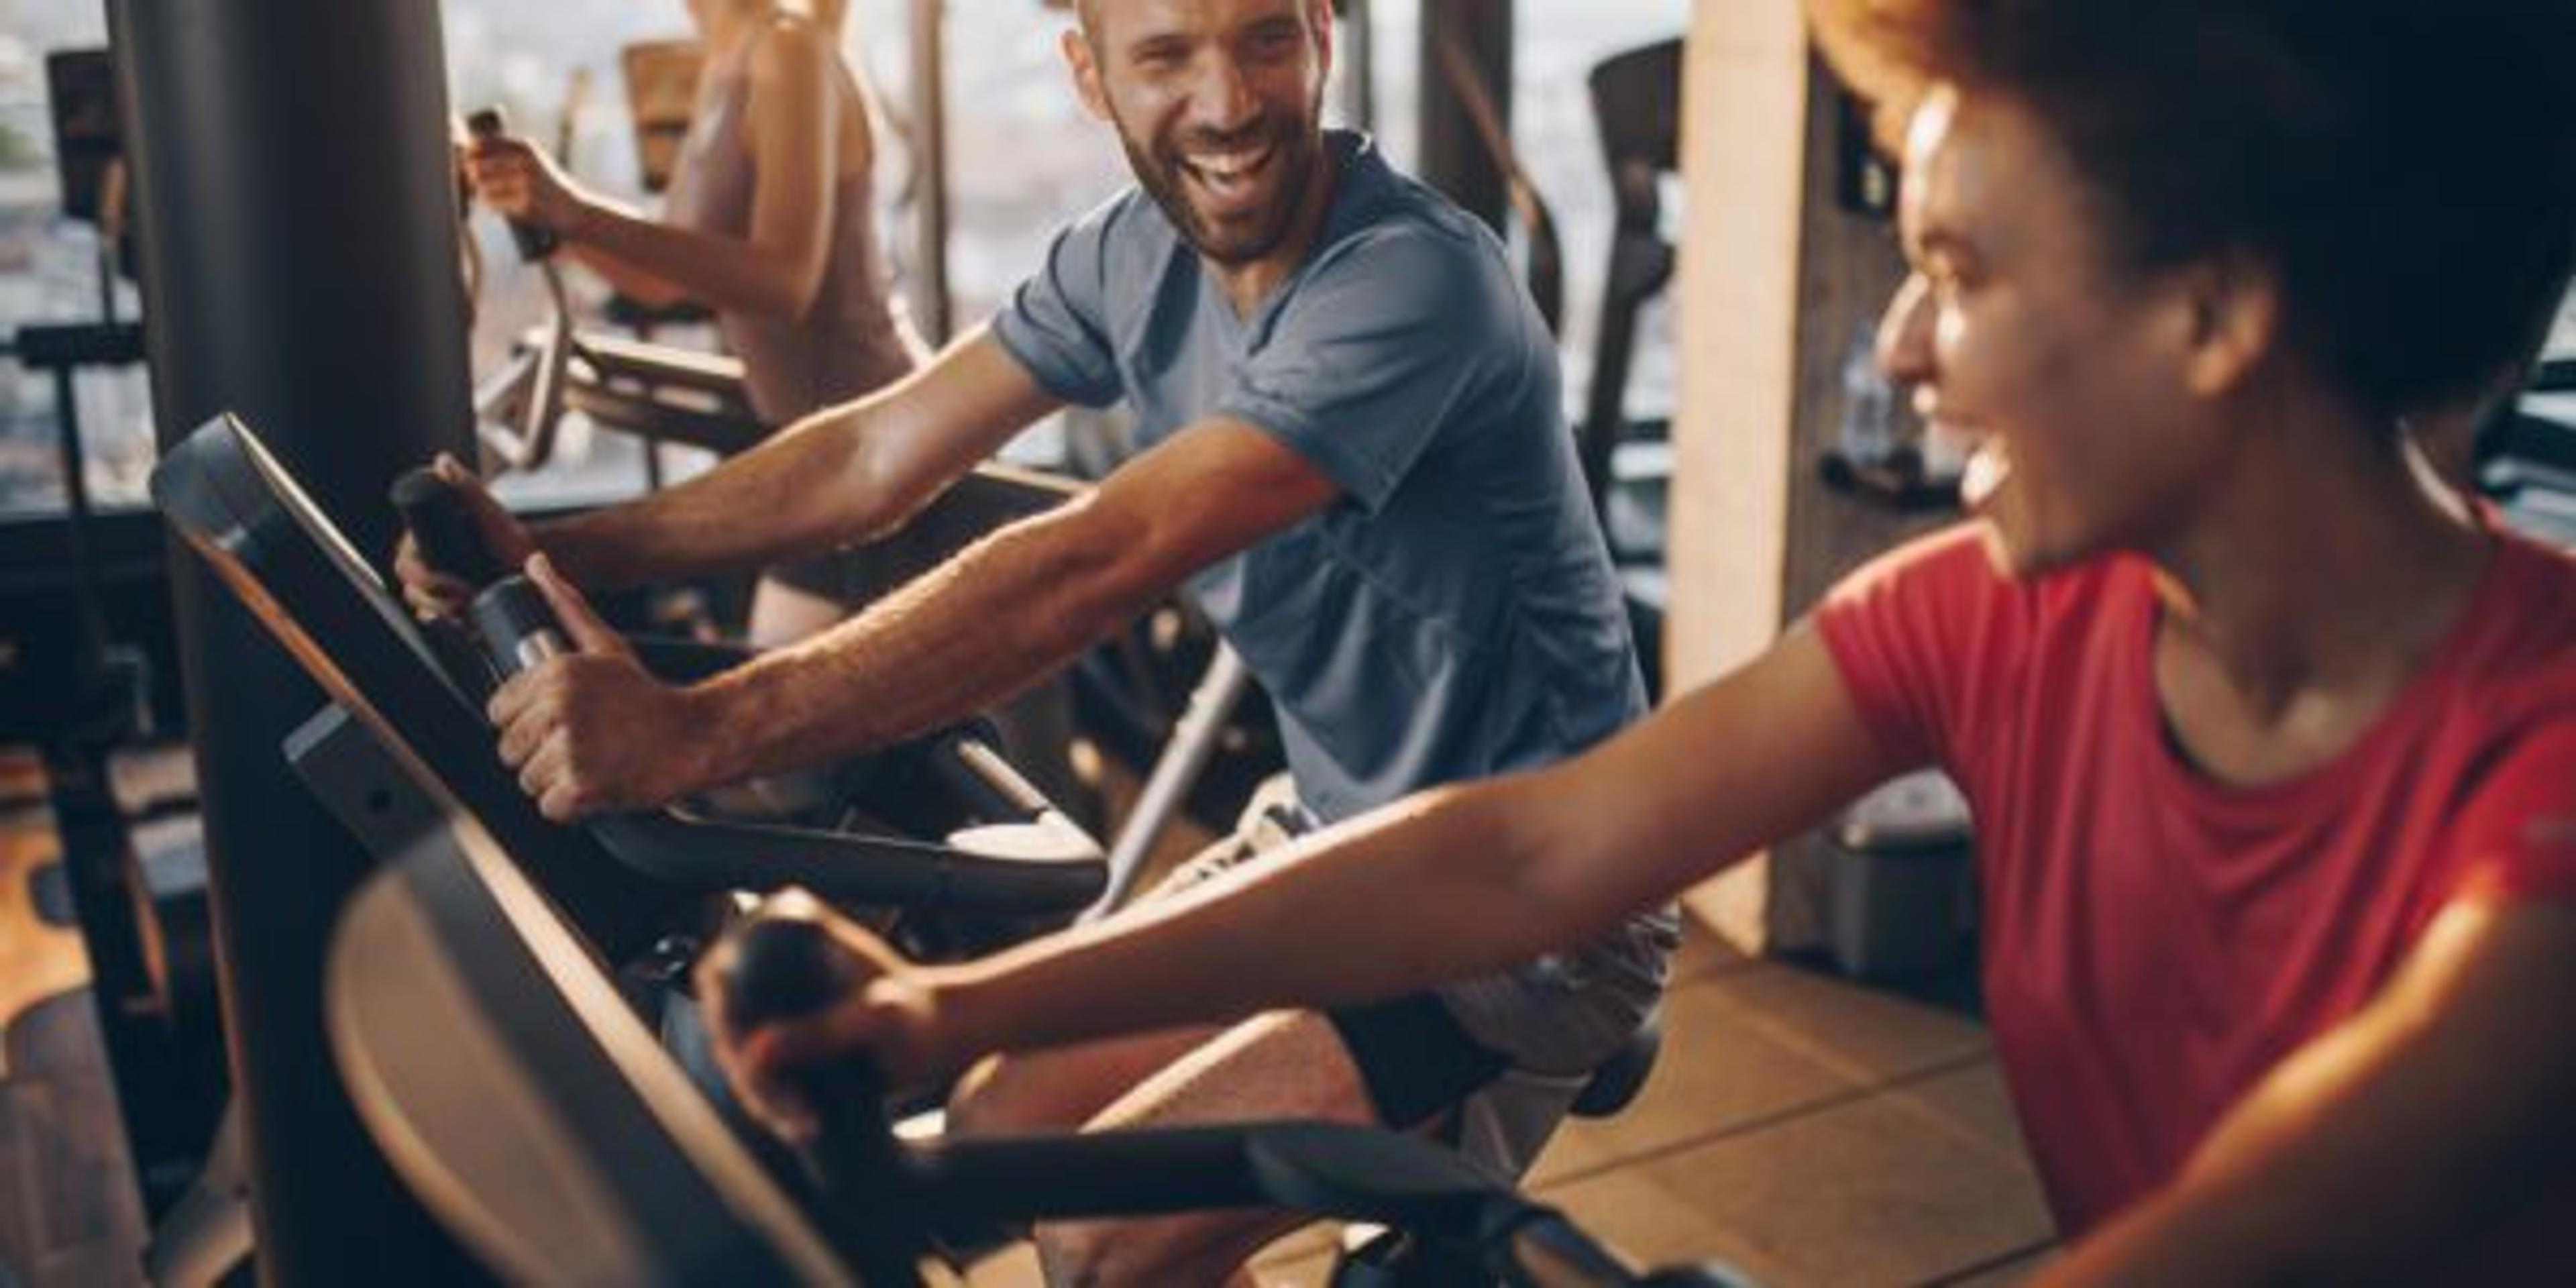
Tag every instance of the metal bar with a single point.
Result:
(930, 305)
(1194, 740)
(1123, 1174)
(1454, 158)
(1359, 65)
(75, 467)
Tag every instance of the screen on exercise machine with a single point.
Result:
(284, 558)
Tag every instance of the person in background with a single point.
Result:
(769, 222)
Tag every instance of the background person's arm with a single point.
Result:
(623, 276)
(793, 131)
(839, 476)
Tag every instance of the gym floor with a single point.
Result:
(69, 1212)
(1803, 1129)
(1800, 1128)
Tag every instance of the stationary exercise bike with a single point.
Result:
(558, 1142)
(967, 851)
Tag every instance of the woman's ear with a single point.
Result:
(2235, 304)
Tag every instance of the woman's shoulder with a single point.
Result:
(789, 42)
(1946, 595)
(1957, 564)
(2522, 645)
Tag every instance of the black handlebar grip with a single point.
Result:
(782, 968)
(441, 523)
(518, 629)
(535, 241)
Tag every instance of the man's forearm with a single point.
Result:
(975, 631)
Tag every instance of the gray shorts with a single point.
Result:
(1553, 1021)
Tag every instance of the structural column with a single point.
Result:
(1454, 158)
(1776, 275)
(298, 224)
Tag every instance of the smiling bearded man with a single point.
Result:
(1350, 448)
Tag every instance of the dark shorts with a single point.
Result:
(841, 576)
(1509, 1052)
(1413, 1056)
(1417, 1063)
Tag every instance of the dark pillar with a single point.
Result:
(300, 268)
(1454, 159)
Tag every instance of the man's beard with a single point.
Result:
(1159, 172)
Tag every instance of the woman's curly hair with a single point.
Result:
(2407, 168)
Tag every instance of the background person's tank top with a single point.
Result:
(855, 337)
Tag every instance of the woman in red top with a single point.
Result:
(2271, 739)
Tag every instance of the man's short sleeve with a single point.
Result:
(1376, 351)
(1056, 323)
(2518, 831)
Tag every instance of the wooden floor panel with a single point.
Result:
(1804, 1129)
(38, 959)
(70, 1216)
(69, 1211)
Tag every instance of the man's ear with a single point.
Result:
(1079, 60)
(2235, 322)
(1320, 16)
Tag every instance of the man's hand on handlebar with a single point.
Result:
(435, 592)
(517, 179)
(889, 1021)
(591, 731)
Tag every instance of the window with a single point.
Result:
(51, 272)
(1555, 48)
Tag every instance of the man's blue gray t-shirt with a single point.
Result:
(1453, 614)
